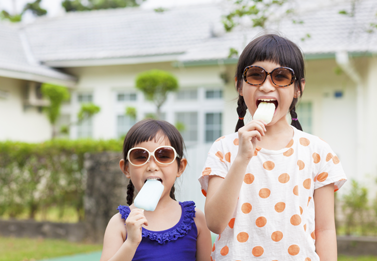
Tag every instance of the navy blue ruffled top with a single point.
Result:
(175, 243)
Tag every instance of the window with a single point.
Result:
(124, 124)
(304, 114)
(126, 97)
(214, 94)
(213, 126)
(189, 123)
(85, 98)
(187, 94)
(84, 128)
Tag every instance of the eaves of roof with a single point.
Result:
(114, 61)
(232, 61)
(67, 81)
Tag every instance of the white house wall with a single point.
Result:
(16, 122)
(105, 81)
(369, 157)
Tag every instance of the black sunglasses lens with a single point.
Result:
(165, 155)
(255, 75)
(138, 156)
(282, 76)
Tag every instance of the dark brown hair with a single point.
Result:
(147, 130)
(277, 49)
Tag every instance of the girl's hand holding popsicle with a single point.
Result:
(134, 224)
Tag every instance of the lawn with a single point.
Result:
(51, 214)
(23, 249)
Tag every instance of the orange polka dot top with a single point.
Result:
(274, 217)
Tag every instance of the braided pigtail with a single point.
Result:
(172, 192)
(295, 123)
(130, 193)
(241, 111)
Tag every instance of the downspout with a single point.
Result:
(342, 59)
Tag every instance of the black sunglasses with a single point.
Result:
(280, 76)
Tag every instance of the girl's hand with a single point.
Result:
(134, 223)
(248, 136)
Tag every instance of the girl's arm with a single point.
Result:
(204, 241)
(325, 232)
(114, 246)
(222, 194)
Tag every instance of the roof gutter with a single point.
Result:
(68, 82)
(307, 57)
(112, 61)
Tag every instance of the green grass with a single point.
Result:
(51, 214)
(360, 258)
(24, 249)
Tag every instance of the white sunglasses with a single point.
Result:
(139, 156)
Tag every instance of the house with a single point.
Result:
(21, 117)
(98, 55)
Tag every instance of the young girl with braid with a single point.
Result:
(174, 230)
(270, 187)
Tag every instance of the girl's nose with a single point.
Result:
(267, 86)
(152, 164)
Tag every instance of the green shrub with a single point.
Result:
(38, 176)
(359, 217)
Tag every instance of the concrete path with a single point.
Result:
(82, 257)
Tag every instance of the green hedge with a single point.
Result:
(34, 177)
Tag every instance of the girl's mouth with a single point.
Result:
(153, 178)
(274, 101)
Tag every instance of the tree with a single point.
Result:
(259, 11)
(57, 95)
(81, 5)
(156, 84)
(34, 7)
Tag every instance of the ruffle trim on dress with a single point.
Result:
(124, 211)
(181, 229)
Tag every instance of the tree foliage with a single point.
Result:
(33, 7)
(258, 11)
(131, 112)
(56, 95)
(87, 110)
(81, 5)
(156, 84)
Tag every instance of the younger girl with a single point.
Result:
(270, 187)
(175, 230)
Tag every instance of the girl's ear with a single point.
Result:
(302, 84)
(124, 168)
(182, 167)
(236, 85)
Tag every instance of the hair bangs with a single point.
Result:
(148, 130)
(272, 48)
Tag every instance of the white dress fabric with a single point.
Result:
(274, 216)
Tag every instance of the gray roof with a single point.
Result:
(16, 58)
(191, 33)
(329, 31)
(128, 32)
